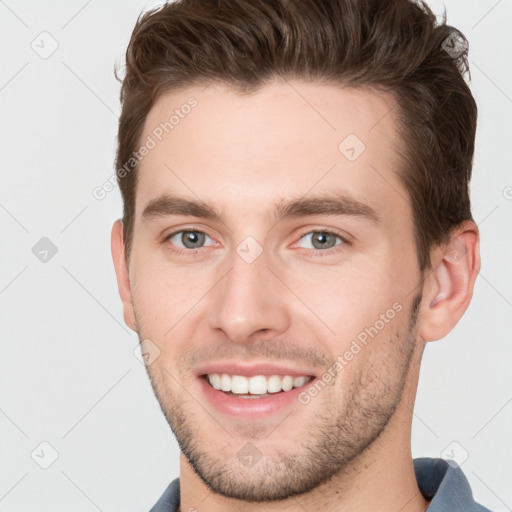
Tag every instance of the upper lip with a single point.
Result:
(252, 369)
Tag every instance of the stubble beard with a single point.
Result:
(335, 439)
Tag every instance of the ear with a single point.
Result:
(449, 284)
(123, 278)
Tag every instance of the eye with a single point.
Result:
(189, 239)
(192, 239)
(323, 240)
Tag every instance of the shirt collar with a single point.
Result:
(445, 486)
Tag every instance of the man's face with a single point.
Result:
(256, 294)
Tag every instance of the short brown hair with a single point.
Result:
(396, 46)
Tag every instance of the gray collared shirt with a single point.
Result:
(444, 485)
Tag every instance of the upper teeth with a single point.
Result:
(257, 385)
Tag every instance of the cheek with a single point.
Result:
(346, 298)
(163, 295)
(370, 357)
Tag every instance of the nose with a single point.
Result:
(249, 299)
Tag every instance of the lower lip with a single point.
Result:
(251, 407)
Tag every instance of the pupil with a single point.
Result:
(192, 237)
(322, 238)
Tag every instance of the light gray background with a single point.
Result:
(69, 376)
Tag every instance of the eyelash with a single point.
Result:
(316, 253)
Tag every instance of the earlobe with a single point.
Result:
(449, 286)
(122, 274)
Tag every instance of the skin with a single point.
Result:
(349, 447)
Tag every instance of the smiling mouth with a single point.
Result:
(257, 386)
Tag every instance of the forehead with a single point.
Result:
(249, 151)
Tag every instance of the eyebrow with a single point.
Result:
(327, 204)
